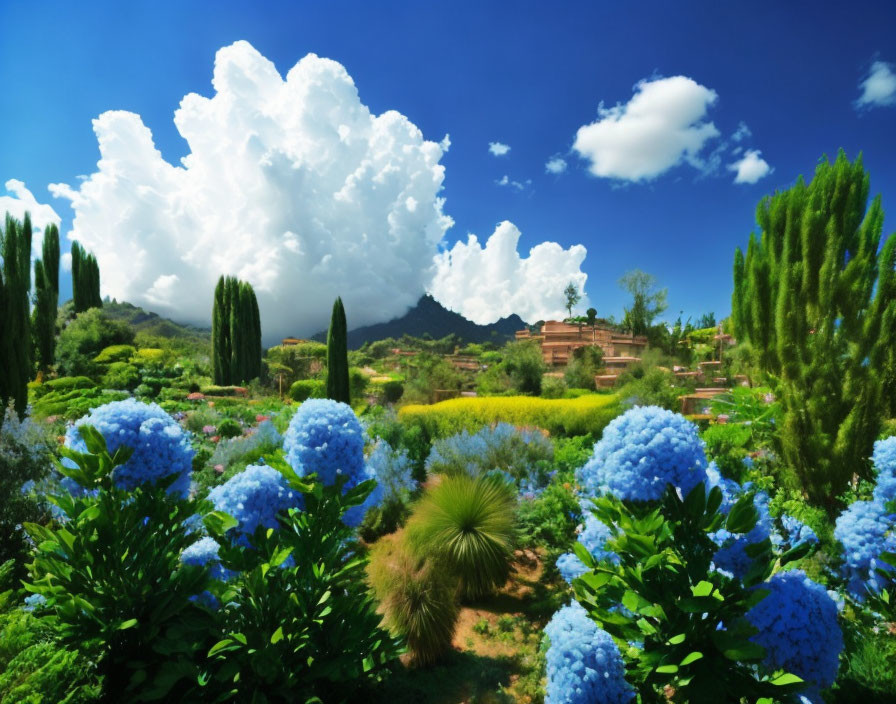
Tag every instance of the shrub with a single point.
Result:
(417, 598)
(63, 384)
(585, 364)
(121, 375)
(160, 447)
(653, 387)
(74, 404)
(112, 578)
(392, 391)
(303, 389)
(254, 498)
(297, 623)
(641, 452)
(549, 518)
(229, 428)
(797, 626)
(552, 387)
(583, 663)
(466, 524)
(588, 414)
(727, 444)
(85, 337)
(115, 353)
(504, 447)
(524, 365)
(357, 382)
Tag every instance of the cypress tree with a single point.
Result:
(256, 353)
(337, 356)
(236, 332)
(46, 300)
(85, 279)
(220, 334)
(77, 285)
(15, 335)
(815, 297)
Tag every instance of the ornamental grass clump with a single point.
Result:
(160, 447)
(583, 662)
(641, 452)
(467, 526)
(416, 597)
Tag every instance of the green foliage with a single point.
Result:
(121, 375)
(431, 373)
(647, 303)
(236, 332)
(338, 387)
(297, 622)
(756, 408)
(73, 404)
(815, 296)
(572, 296)
(494, 381)
(63, 384)
(85, 279)
(15, 322)
(868, 675)
(392, 391)
(84, 338)
(646, 385)
(586, 362)
(358, 382)
(664, 578)
(115, 353)
(552, 387)
(43, 317)
(229, 428)
(549, 520)
(303, 389)
(114, 585)
(524, 365)
(417, 598)
(467, 526)
(728, 444)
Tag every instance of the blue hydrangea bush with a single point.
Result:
(583, 662)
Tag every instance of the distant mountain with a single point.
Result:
(154, 324)
(432, 318)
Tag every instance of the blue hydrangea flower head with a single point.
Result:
(798, 628)
(205, 552)
(731, 490)
(884, 458)
(865, 530)
(731, 557)
(325, 438)
(161, 447)
(583, 663)
(795, 533)
(641, 452)
(594, 536)
(254, 497)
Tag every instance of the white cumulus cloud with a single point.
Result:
(879, 86)
(291, 184)
(751, 167)
(661, 126)
(487, 283)
(498, 149)
(21, 201)
(555, 165)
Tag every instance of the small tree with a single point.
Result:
(338, 387)
(591, 314)
(572, 297)
(647, 302)
(815, 297)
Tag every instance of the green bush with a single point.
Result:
(728, 445)
(111, 582)
(552, 387)
(651, 386)
(85, 337)
(62, 385)
(303, 389)
(416, 597)
(392, 391)
(357, 382)
(585, 364)
(524, 365)
(467, 526)
(115, 353)
(74, 404)
(229, 428)
(121, 375)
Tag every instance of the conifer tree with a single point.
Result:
(337, 356)
(85, 279)
(15, 323)
(815, 297)
(220, 335)
(46, 300)
(236, 332)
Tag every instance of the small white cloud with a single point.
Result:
(487, 283)
(741, 133)
(661, 126)
(555, 165)
(751, 167)
(879, 87)
(66, 261)
(505, 180)
(498, 149)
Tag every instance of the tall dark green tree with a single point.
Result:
(337, 356)
(236, 332)
(85, 279)
(815, 297)
(46, 300)
(15, 323)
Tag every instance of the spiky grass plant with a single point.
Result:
(418, 600)
(467, 525)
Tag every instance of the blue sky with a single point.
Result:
(527, 75)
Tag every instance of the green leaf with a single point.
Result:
(667, 669)
(743, 515)
(713, 501)
(703, 588)
(691, 657)
(785, 679)
(218, 523)
(221, 645)
(277, 636)
(676, 640)
(130, 623)
(582, 553)
(695, 501)
(280, 556)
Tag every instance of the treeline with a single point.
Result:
(236, 332)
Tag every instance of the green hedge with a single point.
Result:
(304, 389)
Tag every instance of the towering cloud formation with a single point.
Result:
(487, 283)
(292, 185)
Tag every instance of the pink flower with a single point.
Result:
(219, 468)
(722, 419)
(209, 429)
(769, 398)
(261, 418)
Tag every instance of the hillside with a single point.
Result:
(432, 318)
(155, 325)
